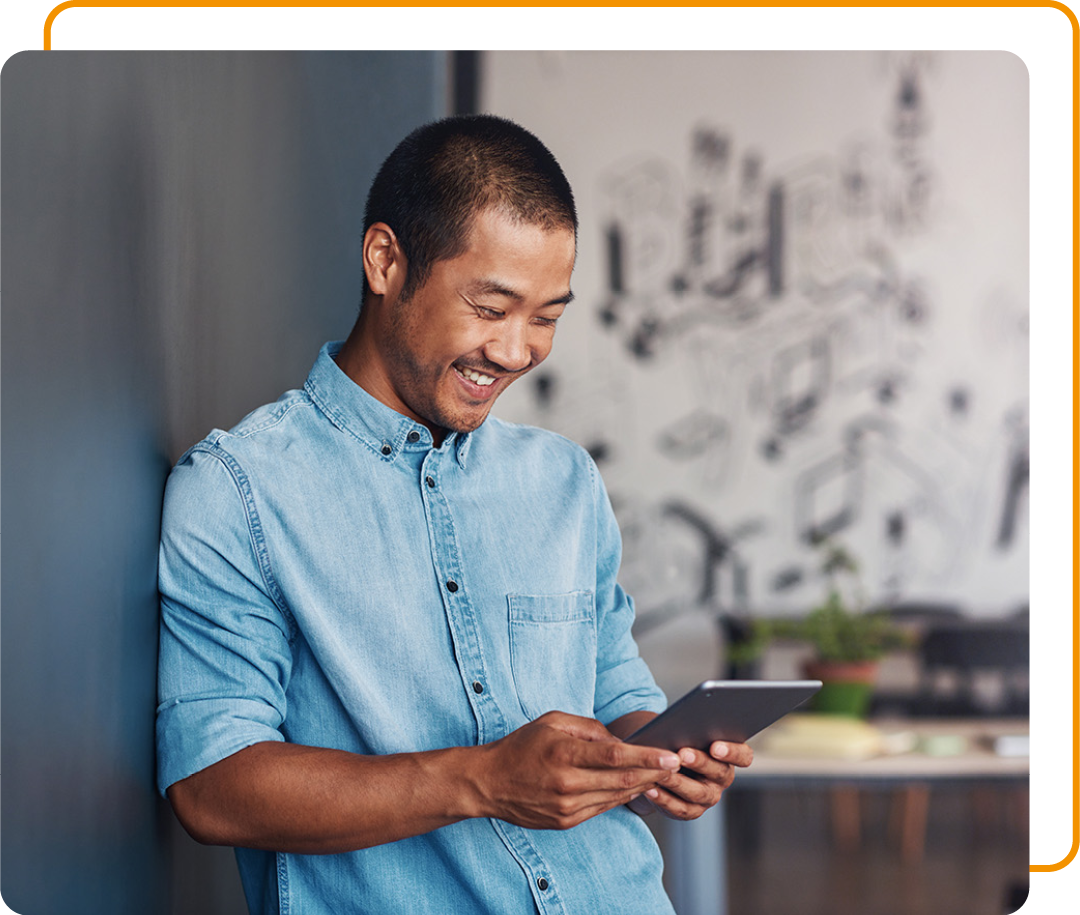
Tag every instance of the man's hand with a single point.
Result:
(686, 797)
(560, 770)
(553, 773)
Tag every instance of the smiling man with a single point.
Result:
(443, 353)
(395, 661)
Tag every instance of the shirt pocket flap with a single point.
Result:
(571, 607)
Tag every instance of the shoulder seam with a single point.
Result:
(255, 528)
(271, 421)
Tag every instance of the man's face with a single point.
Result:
(479, 322)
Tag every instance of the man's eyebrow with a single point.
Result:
(494, 287)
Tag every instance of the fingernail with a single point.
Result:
(686, 755)
(670, 762)
(653, 793)
(719, 750)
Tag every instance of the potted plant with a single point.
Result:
(848, 641)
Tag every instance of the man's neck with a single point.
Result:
(357, 358)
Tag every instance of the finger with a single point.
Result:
(594, 803)
(695, 791)
(619, 755)
(735, 754)
(705, 768)
(619, 784)
(574, 767)
(677, 808)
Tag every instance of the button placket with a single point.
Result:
(460, 614)
(538, 871)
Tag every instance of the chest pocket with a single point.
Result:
(553, 652)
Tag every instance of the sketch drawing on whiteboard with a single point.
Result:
(785, 295)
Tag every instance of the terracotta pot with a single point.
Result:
(847, 686)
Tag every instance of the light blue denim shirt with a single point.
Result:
(330, 578)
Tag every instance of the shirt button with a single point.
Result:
(386, 449)
(451, 586)
(477, 687)
(413, 436)
(542, 883)
(430, 482)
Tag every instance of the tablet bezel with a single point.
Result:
(731, 710)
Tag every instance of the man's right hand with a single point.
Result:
(561, 769)
(550, 774)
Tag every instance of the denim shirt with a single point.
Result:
(328, 577)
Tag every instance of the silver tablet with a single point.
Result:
(733, 710)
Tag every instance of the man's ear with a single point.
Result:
(384, 261)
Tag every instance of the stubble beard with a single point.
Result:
(417, 382)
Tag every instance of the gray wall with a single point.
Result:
(180, 233)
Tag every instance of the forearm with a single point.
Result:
(311, 800)
(552, 773)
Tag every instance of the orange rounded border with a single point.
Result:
(48, 43)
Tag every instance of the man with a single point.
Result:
(395, 662)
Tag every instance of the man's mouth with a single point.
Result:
(475, 377)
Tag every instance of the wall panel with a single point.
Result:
(180, 233)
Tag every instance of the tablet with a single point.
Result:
(732, 710)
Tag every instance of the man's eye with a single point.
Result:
(547, 322)
(488, 312)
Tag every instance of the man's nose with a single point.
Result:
(510, 347)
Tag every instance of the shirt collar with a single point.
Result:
(353, 410)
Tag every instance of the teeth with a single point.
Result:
(477, 377)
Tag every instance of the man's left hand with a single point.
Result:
(686, 797)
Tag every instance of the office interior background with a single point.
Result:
(801, 313)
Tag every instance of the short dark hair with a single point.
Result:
(442, 174)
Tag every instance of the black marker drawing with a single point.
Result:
(791, 310)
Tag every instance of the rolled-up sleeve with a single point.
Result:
(225, 656)
(624, 683)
